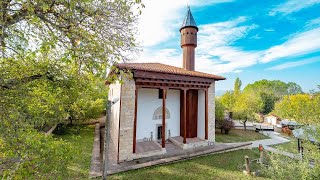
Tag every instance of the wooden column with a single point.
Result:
(206, 114)
(163, 133)
(135, 120)
(184, 116)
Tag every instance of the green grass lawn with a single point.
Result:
(82, 144)
(216, 166)
(291, 147)
(238, 135)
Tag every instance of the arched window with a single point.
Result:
(158, 114)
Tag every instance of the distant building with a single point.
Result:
(272, 119)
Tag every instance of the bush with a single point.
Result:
(225, 125)
(33, 155)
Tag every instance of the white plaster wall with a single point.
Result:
(201, 114)
(148, 102)
(114, 92)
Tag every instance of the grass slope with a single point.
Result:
(291, 146)
(82, 144)
(238, 135)
(216, 166)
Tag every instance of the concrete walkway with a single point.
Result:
(275, 138)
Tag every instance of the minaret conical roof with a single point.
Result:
(189, 21)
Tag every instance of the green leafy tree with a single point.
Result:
(305, 109)
(219, 110)
(29, 153)
(246, 106)
(272, 91)
(237, 87)
(53, 61)
(276, 87)
(268, 100)
(228, 100)
(293, 88)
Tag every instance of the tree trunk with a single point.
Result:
(245, 124)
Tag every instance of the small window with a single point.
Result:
(187, 32)
(160, 93)
(191, 32)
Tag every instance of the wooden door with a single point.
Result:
(191, 113)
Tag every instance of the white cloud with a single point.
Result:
(298, 44)
(291, 6)
(231, 59)
(215, 52)
(166, 56)
(222, 33)
(313, 23)
(160, 20)
(295, 64)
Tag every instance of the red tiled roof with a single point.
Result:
(163, 68)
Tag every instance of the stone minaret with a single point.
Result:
(188, 33)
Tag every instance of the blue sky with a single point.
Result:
(249, 39)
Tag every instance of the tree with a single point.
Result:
(237, 87)
(53, 61)
(219, 110)
(293, 88)
(228, 100)
(246, 106)
(268, 100)
(276, 87)
(272, 91)
(93, 33)
(305, 109)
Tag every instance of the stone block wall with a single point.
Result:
(127, 120)
(114, 92)
(211, 112)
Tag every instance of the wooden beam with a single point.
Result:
(166, 76)
(206, 114)
(163, 133)
(169, 86)
(184, 116)
(140, 80)
(135, 120)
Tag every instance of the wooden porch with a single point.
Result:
(189, 87)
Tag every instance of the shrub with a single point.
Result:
(225, 125)
(33, 155)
